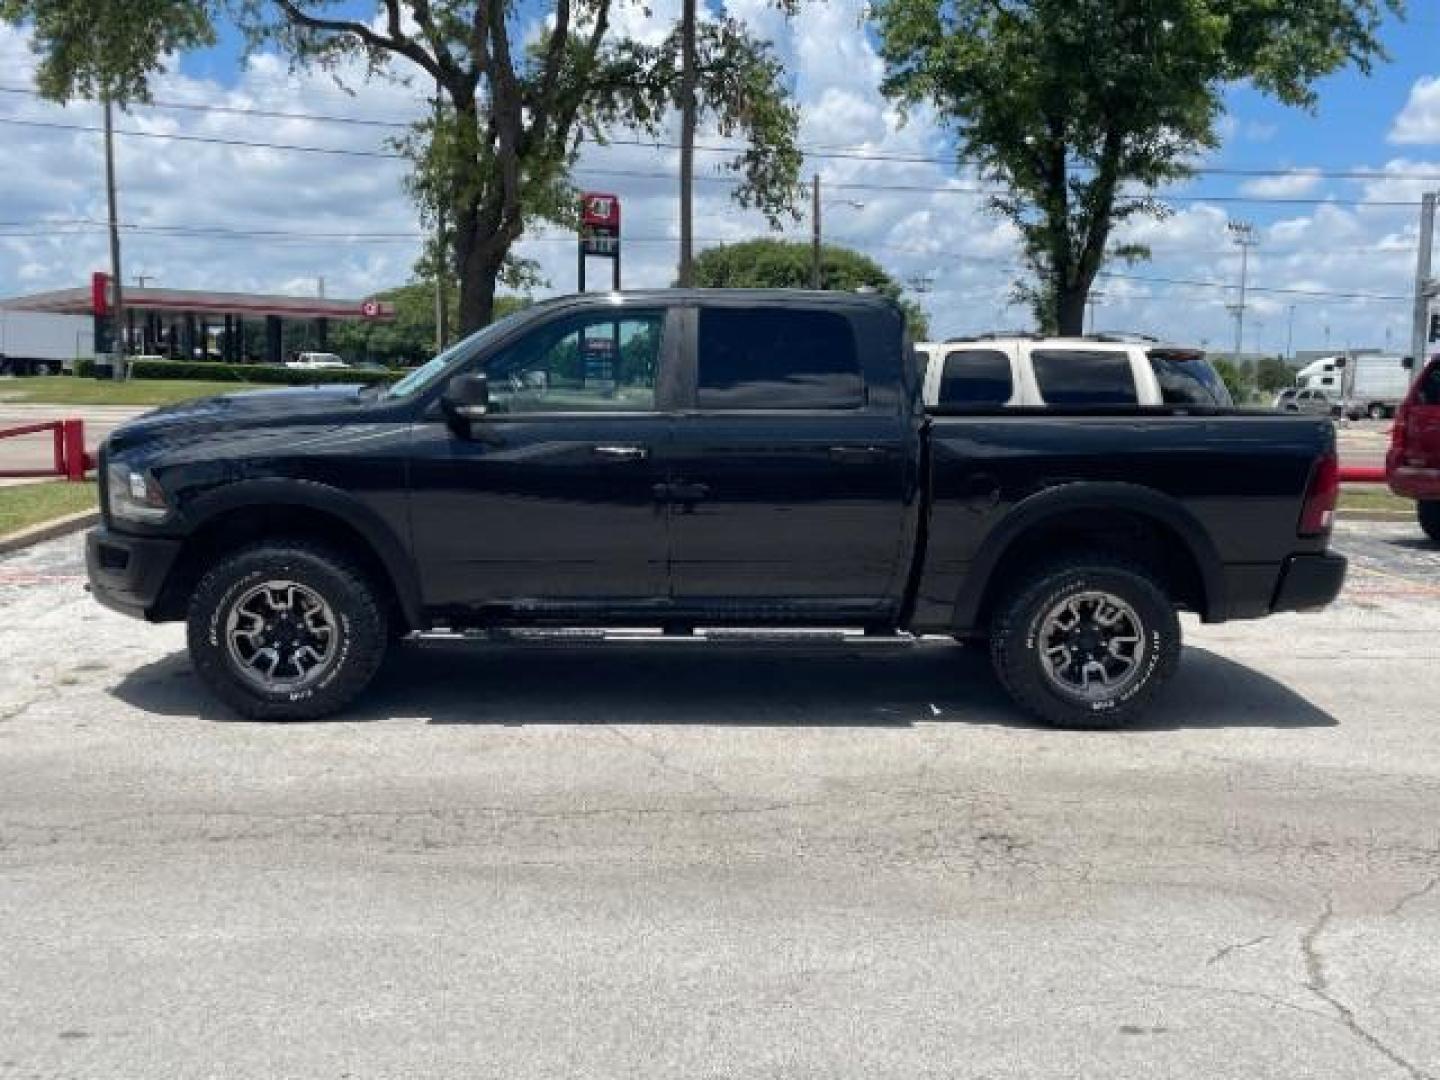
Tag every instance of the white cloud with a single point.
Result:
(921, 219)
(1290, 185)
(1419, 120)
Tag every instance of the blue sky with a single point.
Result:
(347, 218)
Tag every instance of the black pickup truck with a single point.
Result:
(684, 459)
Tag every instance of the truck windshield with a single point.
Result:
(429, 373)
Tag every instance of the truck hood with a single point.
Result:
(250, 408)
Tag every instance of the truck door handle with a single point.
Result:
(681, 492)
(858, 454)
(623, 453)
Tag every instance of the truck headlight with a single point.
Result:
(135, 496)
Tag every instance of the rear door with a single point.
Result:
(791, 469)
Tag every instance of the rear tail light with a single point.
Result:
(1321, 497)
(1399, 433)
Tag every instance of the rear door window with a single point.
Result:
(1084, 377)
(1430, 386)
(777, 358)
(1188, 379)
(976, 377)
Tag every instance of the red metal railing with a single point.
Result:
(1362, 474)
(71, 460)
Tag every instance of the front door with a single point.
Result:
(789, 481)
(549, 501)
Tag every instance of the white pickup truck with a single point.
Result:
(1020, 372)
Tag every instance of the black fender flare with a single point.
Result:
(313, 495)
(1099, 497)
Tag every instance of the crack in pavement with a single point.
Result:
(1318, 983)
(1222, 953)
(663, 760)
(1413, 895)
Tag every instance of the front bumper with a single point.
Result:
(128, 572)
(1308, 582)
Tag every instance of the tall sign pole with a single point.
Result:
(116, 299)
(1424, 287)
(599, 235)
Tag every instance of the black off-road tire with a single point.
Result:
(1428, 512)
(363, 635)
(1016, 625)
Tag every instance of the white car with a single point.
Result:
(1022, 372)
(316, 361)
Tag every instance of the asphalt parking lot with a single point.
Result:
(621, 859)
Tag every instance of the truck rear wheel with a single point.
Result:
(286, 631)
(1087, 642)
(1429, 514)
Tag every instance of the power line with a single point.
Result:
(823, 151)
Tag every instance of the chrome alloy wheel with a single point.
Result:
(1092, 646)
(281, 636)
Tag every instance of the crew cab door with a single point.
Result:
(550, 500)
(792, 466)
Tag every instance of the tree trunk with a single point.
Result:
(480, 264)
(1070, 308)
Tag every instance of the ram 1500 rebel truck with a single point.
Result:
(684, 459)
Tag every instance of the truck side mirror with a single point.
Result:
(467, 397)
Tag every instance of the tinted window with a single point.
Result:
(1188, 381)
(771, 358)
(1430, 386)
(1081, 377)
(591, 363)
(976, 377)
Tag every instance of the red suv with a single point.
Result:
(1413, 464)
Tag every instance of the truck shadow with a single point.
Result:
(731, 684)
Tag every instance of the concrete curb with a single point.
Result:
(1375, 515)
(48, 530)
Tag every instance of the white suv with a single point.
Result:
(1020, 372)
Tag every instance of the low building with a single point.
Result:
(194, 324)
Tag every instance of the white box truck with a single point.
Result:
(43, 342)
(1373, 385)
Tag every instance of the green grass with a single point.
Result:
(1373, 497)
(67, 390)
(29, 504)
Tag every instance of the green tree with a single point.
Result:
(107, 48)
(1272, 373)
(1082, 108)
(516, 104)
(786, 264)
(1233, 375)
(410, 337)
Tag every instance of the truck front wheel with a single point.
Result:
(286, 631)
(1086, 642)
(1429, 514)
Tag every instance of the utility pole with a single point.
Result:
(320, 286)
(1092, 301)
(141, 279)
(687, 142)
(1425, 286)
(1290, 336)
(1243, 234)
(117, 298)
(442, 309)
(815, 282)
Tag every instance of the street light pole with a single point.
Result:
(815, 232)
(1290, 336)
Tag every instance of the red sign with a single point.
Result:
(100, 292)
(600, 210)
